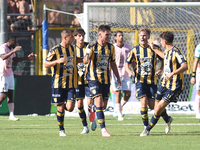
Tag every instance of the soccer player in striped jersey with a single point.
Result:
(83, 88)
(171, 81)
(99, 55)
(62, 60)
(145, 74)
(196, 79)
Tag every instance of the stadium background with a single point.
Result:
(30, 96)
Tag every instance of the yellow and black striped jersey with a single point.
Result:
(64, 75)
(173, 60)
(145, 59)
(81, 66)
(98, 66)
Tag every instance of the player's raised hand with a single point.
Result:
(62, 60)
(17, 48)
(150, 43)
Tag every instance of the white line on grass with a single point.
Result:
(182, 124)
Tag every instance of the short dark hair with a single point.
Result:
(66, 31)
(104, 28)
(79, 31)
(168, 36)
(11, 38)
(147, 30)
(76, 8)
(117, 32)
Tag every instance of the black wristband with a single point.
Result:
(194, 74)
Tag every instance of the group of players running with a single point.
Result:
(85, 69)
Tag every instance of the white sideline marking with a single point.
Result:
(182, 124)
(186, 124)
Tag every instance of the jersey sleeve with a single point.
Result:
(180, 57)
(197, 52)
(2, 50)
(89, 50)
(112, 57)
(130, 57)
(51, 55)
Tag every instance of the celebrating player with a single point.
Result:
(62, 60)
(171, 81)
(98, 56)
(83, 88)
(145, 74)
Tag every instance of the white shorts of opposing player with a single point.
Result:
(126, 84)
(6, 83)
(197, 98)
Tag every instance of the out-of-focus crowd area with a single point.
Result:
(27, 15)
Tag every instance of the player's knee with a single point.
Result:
(70, 109)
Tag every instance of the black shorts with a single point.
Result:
(59, 96)
(98, 89)
(83, 90)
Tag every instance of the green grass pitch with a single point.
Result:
(41, 133)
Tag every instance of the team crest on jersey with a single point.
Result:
(81, 68)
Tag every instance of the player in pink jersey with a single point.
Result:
(121, 51)
(7, 56)
(196, 79)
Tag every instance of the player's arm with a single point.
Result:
(128, 70)
(160, 53)
(79, 60)
(19, 59)
(5, 56)
(193, 79)
(48, 64)
(88, 54)
(115, 71)
(182, 68)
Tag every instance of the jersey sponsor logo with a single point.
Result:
(69, 66)
(103, 64)
(147, 66)
(70, 58)
(103, 56)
